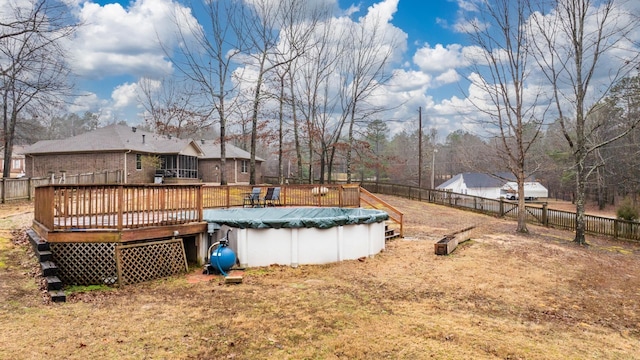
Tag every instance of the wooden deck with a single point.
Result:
(125, 213)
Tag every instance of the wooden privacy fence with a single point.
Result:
(538, 214)
(24, 188)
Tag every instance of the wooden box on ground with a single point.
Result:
(447, 244)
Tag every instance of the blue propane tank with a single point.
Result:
(222, 258)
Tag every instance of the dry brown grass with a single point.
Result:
(500, 295)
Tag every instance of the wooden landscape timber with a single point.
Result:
(449, 242)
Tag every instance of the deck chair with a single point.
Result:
(252, 199)
(268, 196)
(273, 197)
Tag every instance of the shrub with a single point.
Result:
(627, 211)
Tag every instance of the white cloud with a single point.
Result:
(467, 26)
(441, 58)
(448, 77)
(403, 80)
(115, 40)
(86, 102)
(351, 10)
(383, 11)
(125, 95)
(467, 5)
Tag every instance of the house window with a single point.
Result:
(244, 167)
(138, 161)
(17, 164)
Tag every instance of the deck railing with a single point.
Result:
(290, 195)
(124, 206)
(71, 207)
(375, 202)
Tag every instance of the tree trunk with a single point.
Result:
(223, 146)
(310, 161)
(254, 123)
(296, 133)
(522, 212)
(322, 163)
(7, 151)
(580, 204)
(350, 144)
(280, 133)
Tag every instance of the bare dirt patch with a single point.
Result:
(500, 295)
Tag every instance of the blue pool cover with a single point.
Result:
(275, 218)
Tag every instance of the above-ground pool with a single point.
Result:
(296, 236)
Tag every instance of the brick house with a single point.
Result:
(237, 163)
(138, 154)
(17, 161)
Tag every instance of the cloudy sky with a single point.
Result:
(118, 46)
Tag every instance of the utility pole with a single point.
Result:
(420, 147)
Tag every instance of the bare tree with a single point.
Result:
(363, 69)
(312, 76)
(33, 70)
(622, 175)
(373, 157)
(173, 108)
(578, 44)
(510, 104)
(277, 34)
(299, 37)
(466, 152)
(68, 125)
(206, 56)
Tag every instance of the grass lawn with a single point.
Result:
(501, 295)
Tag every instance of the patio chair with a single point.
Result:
(268, 196)
(253, 198)
(272, 197)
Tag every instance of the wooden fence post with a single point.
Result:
(545, 219)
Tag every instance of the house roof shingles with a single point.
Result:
(112, 138)
(211, 150)
(123, 138)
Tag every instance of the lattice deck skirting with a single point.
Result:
(108, 263)
(146, 261)
(85, 263)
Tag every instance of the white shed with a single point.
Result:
(476, 184)
(532, 190)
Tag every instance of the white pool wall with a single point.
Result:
(306, 246)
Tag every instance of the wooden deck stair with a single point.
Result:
(47, 267)
(370, 200)
(390, 233)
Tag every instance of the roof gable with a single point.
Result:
(449, 182)
(478, 180)
(211, 150)
(117, 138)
